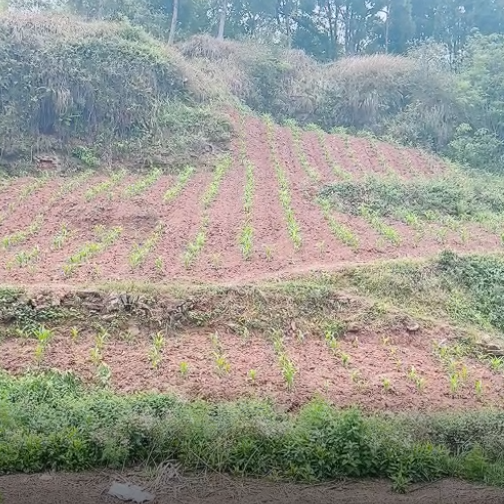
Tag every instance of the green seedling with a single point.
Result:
(496, 364)
(478, 388)
(61, 237)
(252, 374)
(144, 183)
(339, 230)
(103, 374)
(223, 366)
(155, 353)
(386, 384)
(183, 368)
(43, 336)
(355, 375)
(105, 186)
(74, 333)
(96, 355)
(293, 227)
(140, 252)
(345, 359)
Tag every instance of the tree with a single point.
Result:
(400, 26)
(173, 23)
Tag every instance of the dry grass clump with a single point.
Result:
(107, 86)
(386, 94)
(266, 78)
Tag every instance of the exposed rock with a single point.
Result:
(129, 492)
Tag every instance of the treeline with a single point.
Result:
(324, 29)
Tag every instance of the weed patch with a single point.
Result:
(50, 421)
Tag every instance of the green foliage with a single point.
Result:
(482, 278)
(463, 195)
(53, 422)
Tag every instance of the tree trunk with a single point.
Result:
(222, 19)
(387, 27)
(173, 24)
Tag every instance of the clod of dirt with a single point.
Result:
(129, 492)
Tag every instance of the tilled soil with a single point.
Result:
(221, 256)
(92, 488)
(403, 374)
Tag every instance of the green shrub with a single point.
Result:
(457, 194)
(50, 420)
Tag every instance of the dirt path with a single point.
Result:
(91, 488)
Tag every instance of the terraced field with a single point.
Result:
(283, 203)
(256, 214)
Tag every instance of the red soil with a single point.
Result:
(376, 377)
(221, 257)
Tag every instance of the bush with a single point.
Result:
(50, 420)
(266, 78)
(389, 95)
(462, 195)
(105, 86)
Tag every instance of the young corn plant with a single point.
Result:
(414, 221)
(182, 180)
(156, 351)
(158, 263)
(22, 235)
(252, 376)
(62, 236)
(416, 379)
(24, 258)
(212, 190)
(247, 232)
(105, 186)
(386, 384)
(43, 336)
(74, 334)
(105, 240)
(30, 188)
(223, 366)
(71, 186)
(339, 230)
(337, 170)
(297, 140)
(293, 227)
(143, 183)
(183, 369)
(194, 248)
(389, 233)
(478, 388)
(103, 374)
(140, 252)
(96, 352)
(287, 367)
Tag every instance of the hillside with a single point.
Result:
(183, 277)
(255, 215)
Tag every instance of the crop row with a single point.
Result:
(293, 227)
(247, 233)
(105, 238)
(194, 248)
